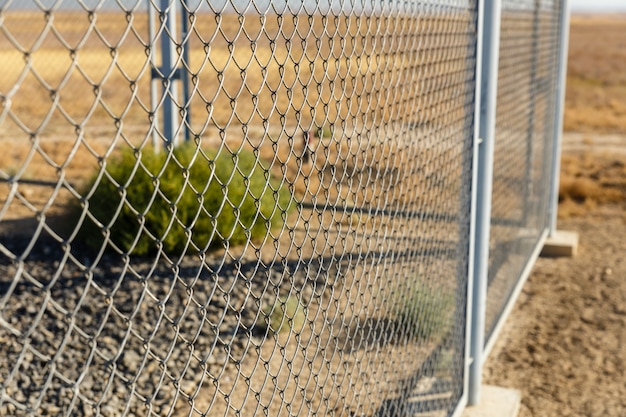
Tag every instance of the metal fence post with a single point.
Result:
(558, 125)
(471, 215)
(184, 75)
(530, 136)
(167, 73)
(482, 211)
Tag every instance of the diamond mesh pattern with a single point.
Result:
(523, 149)
(176, 291)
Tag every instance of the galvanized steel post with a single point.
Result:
(558, 125)
(168, 71)
(184, 70)
(165, 74)
(482, 211)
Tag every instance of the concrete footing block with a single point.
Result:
(495, 402)
(561, 243)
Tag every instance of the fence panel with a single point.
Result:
(528, 77)
(304, 253)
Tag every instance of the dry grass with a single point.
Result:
(81, 91)
(595, 104)
(589, 180)
(293, 70)
(596, 82)
(356, 68)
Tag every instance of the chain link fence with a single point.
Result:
(303, 250)
(253, 208)
(528, 70)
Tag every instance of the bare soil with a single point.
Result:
(564, 345)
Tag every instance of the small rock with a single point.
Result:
(8, 410)
(32, 308)
(20, 397)
(188, 386)
(131, 359)
(588, 315)
(52, 410)
(620, 309)
(111, 408)
(609, 367)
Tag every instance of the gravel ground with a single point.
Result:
(141, 338)
(159, 337)
(130, 334)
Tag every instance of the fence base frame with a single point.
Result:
(514, 296)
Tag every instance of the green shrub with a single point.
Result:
(324, 132)
(285, 313)
(424, 312)
(182, 196)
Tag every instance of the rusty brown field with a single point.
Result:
(593, 170)
(596, 81)
(75, 88)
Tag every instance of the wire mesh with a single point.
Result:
(305, 253)
(525, 120)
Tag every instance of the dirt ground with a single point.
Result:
(564, 345)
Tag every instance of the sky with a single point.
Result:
(598, 5)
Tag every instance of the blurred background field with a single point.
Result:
(596, 80)
(75, 88)
(594, 159)
(62, 108)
